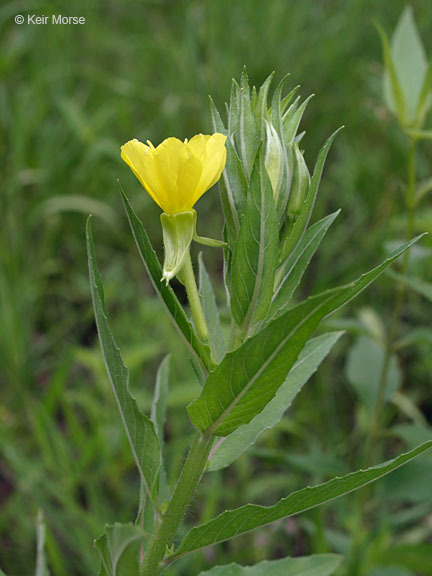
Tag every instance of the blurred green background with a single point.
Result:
(70, 95)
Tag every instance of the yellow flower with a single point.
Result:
(176, 174)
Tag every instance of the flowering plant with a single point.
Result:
(249, 379)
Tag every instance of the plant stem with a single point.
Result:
(187, 276)
(355, 557)
(183, 493)
(397, 308)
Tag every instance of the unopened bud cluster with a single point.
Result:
(254, 121)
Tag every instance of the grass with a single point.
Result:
(69, 97)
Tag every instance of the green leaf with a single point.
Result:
(158, 415)
(139, 429)
(392, 90)
(247, 136)
(303, 219)
(232, 523)
(410, 64)
(425, 99)
(233, 184)
(230, 448)
(291, 120)
(364, 367)
(276, 106)
(248, 378)
(172, 306)
(160, 396)
(119, 549)
(417, 284)
(316, 565)
(41, 562)
(260, 110)
(292, 270)
(233, 191)
(255, 253)
(211, 312)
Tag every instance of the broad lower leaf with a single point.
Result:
(410, 63)
(230, 448)
(139, 429)
(211, 312)
(166, 293)
(316, 565)
(248, 378)
(119, 549)
(291, 271)
(232, 523)
(255, 253)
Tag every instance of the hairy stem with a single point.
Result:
(189, 478)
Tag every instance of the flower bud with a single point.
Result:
(178, 230)
(300, 184)
(273, 159)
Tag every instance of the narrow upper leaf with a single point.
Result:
(248, 378)
(211, 312)
(158, 415)
(166, 293)
(261, 105)
(255, 253)
(158, 411)
(140, 430)
(292, 270)
(316, 565)
(232, 523)
(247, 136)
(228, 449)
(303, 219)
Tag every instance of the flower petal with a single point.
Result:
(176, 174)
(140, 158)
(180, 171)
(213, 163)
